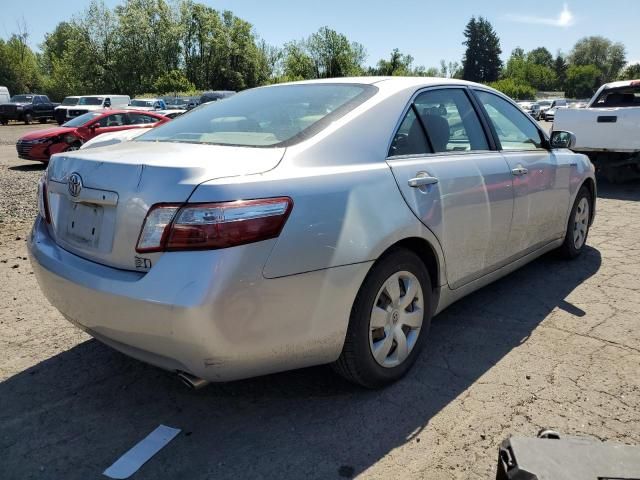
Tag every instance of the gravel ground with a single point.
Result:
(554, 344)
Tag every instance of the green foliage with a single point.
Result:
(514, 88)
(540, 56)
(531, 69)
(481, 61)
(560, 68)
(172, 82)
(19, 68)
(325, 54)
(608, 57)
(632, 72)
(582, 81)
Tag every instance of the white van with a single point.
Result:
(88, 103)
(4, 95)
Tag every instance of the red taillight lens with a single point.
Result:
(206, 226)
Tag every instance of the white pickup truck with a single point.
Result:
(608, 130)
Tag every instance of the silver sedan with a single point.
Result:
(320, 222)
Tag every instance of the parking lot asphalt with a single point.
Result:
(553, 345)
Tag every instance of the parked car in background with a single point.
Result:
(61, 112)
(307, 223)
(113, 138)
(148, 104)
(173, 113)
(215, 95)
(27, 108)
(532, 108)
(5, 96)
(91, 103)
(41, 144)
(608, 130)
(550, 113)
(544, 106)
(179, 103)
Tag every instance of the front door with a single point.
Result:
(540, 178)
(453, 182)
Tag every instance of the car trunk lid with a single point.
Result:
(98, 198)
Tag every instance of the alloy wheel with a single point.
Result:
(581, 223)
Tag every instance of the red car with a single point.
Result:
(40, 145)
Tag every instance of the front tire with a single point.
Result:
(389, 321)
(575, 238)
(28, 118)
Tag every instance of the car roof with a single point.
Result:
(400, 83)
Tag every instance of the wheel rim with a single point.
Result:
(72, 148)
(396, 319)
(581, 223)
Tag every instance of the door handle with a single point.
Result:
(421, 181)
(519, 171)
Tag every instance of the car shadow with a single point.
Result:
(29, 167)
(74, 414)
(623, 191)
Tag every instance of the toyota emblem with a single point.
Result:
(74, 184)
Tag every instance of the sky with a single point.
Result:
(427, 30)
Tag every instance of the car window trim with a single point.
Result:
(411, 106)
(546, 145)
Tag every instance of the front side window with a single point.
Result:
(618, 97)
(514, 129)
(81, 120)
(280, 115)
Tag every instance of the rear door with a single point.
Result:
(455, 184)
(540, 178)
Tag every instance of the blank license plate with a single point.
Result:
(84, 224)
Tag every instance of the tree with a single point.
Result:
(541, 56)
(560, 68)
(298, 65)
(582, 81)
(333, 55)
(608, 57)
(481, 61)
(398, 64)
(632, 72)
(528, 69)
(449, 70)
(514, 89)
(173, 81)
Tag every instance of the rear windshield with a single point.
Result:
(141, 103)
(619, 97)
(90, 101)
(82, 119)
(22, 98)
(264, 117)
(70, 101)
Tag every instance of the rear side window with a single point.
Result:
(140, 118)
(410, 138)
(514, 129)
(618, 97)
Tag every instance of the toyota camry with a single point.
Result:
(318, 222)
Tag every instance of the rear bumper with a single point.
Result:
(209, 313)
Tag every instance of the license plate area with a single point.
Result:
(84, 222)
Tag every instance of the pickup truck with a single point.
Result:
(27, 108)
(608, 130)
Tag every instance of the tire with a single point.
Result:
(4, 121)
(575, 238)
(28, 118)
(43, 120)
(357, 362)
(73, 147)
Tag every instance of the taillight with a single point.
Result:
(208, 226)
(43, 202)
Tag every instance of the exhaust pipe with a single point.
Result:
(191, 381)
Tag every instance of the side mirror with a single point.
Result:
(93, 127)
(107, 103)
(561, 139)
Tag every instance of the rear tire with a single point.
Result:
(389, 321)
(575, 238)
